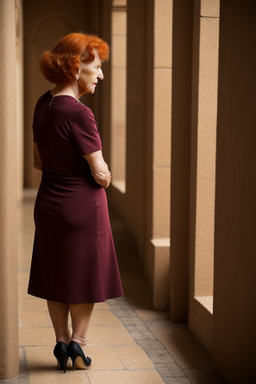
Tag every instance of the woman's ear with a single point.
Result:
(78, 74)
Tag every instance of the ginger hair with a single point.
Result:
(61, 64)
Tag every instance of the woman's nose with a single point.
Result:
(100, 75)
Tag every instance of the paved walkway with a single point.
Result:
(129, 343)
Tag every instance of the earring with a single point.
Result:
(77, 76)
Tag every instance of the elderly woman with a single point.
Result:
(74, 262)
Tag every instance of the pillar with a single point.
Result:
(234, 347)
(180, 157)
(19, 99)
(202, 172)
(8, 201)
(157, 260)
(135, 121)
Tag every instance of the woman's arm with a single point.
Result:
(99, 169)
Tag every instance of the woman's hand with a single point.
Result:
(99, 169)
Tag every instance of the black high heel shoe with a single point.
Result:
(61, 353)
(79, 360)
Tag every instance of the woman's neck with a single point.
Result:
(70, 90)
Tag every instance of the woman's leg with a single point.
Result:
(80, 317)
(59, 316)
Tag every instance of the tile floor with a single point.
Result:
(128, 341)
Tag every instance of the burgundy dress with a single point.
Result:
(74, 259)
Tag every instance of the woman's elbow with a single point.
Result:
(102, 178)
(106, 184)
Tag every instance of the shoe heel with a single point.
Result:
(63, 364)
(61, 354)
(73, 364)
(79, 360)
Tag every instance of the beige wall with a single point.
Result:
(8, 197)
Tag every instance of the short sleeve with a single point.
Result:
(85, 132)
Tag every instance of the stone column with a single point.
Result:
(204, 95)
(234, 349)
(180, 157)
(159, 162)
(19, 98)
(8, 199)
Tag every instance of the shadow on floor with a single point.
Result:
(136, 286)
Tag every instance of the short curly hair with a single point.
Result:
(61, 64)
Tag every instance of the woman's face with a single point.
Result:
(89, 74)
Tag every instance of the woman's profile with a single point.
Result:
(74, 263)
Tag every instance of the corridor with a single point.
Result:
(128, 342)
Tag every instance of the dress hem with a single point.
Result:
(84, 301)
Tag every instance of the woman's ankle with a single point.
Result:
(63, 339)
(80, 340)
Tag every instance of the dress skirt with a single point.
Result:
(74, 258)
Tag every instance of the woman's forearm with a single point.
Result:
(99, 168)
